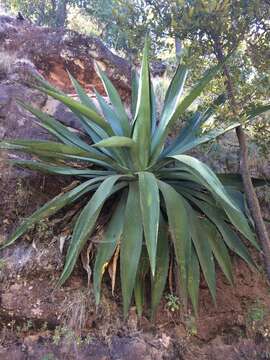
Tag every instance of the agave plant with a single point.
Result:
(165, 204)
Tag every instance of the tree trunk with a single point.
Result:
(61, 13)
(252, 199)
(41, 16)
(253, 202)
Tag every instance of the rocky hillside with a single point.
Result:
(40, 321)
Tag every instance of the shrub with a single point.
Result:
(165, 202)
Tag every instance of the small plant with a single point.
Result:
(49, 356)
(160, 198)
(2, 264)
(173, 303)
(257, 320)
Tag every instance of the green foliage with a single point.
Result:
(173, 303)
(45, 12)
(162, 200)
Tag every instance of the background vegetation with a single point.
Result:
(192, 29)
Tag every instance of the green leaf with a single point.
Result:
(235, 181)
(178, 223)
(54, 150)
(149, 199)
(56, 128)
(256, 111)
(200, 237)
(142, 122)
(62, 170)
(95, 132)
(52, 206)
(194, 280)
(173, 95)
(191, 132)
(207, 178)
(116, 102)
(108, 245)
(109, 114)
(198, 140)
(220, 251)
(134, 91)
(85, 99)
(163, 131)
(131, 245)
(231, 239)
(153, 110)
(75, 106)
(139, 288)
(85, 224)
(45, 84)
(158, 282)
(116, 141)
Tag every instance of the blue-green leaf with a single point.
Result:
(158, 282)
(142, 122)
(115, 99)
(108, 245)
(179, 228)
(85, 224)
(131, 245)
(149, 199)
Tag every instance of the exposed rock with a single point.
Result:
(52, 52)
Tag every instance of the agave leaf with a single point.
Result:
(116, 141)
(178, 223)
(195, 141)
(56, 128)
(208, 179)
(194, 280)
(62, 170)
(95, 132)
(256, 111)
(191, 131)
(158, 282)
(109, 114)
(139, 288)
(85, 99)
(77, 107)
(116, 102)
(149, 199)
(54, 150)
(131, 245)
(85, 224)
(108, 245)
(153, 110)
(220, 251)
(229, 236)
(142, 123)
(189, 192)
(161, 134)
(122, 155)
(173, 96)
(41, 81)
(200, 236)
(134, 91)
(52, 206)
(235, 181)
